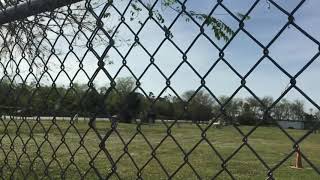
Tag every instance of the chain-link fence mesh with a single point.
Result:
(74, 104)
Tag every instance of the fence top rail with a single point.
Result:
(31, 7)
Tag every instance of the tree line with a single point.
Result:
(127, 104)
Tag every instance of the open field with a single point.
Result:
(78, 154)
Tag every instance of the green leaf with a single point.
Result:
(243, 16)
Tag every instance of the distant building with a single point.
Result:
(291, 124)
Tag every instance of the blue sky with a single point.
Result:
(292, 50)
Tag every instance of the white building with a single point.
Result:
(290, 124)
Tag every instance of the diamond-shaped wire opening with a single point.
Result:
(147, 36)
(185, 172)
(202, 55)
(138, 60)
(304, 13)
(238, 7)
(251, 167)
(72, 171)
(126, 167)
(220, 86)
(218, 26)
(139, 150)
(166, 152)
(69, 63)
(286, 6)
(180, 29)
(124, 40)
(259, 29)
(99, 42)
(277, 81)
(148, 84)
(89, 62)
(23, 68)
(111, 19)
(271, 156)
(288, 56)
(165, 16)
(304, 81)
(204, 156)
(153, 169)
(61, 41)
(236, 53)
(79, 45)
(113, 61)
(100, 80)
(178, 81)
(136, 16)
(100, 164)
(209, 5)
(167, 58)
(24, 164)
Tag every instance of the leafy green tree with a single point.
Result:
(131, 107)
(113, 103)
(231, 110)
(318, 115)
(247, 116)
(130, 104)
(200, 105)
(93, 102)
(254, 105)
(125, 85)
(297, 110)
(254, 110)
(164, 108)
(178, 108)
(5, 100)
(282, 110)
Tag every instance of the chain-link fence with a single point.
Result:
(89, 90)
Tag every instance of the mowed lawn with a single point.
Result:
(78, 155)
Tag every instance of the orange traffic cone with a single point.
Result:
(298, 163)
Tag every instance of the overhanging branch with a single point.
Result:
(31, 7)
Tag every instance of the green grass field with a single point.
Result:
(269, 142)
